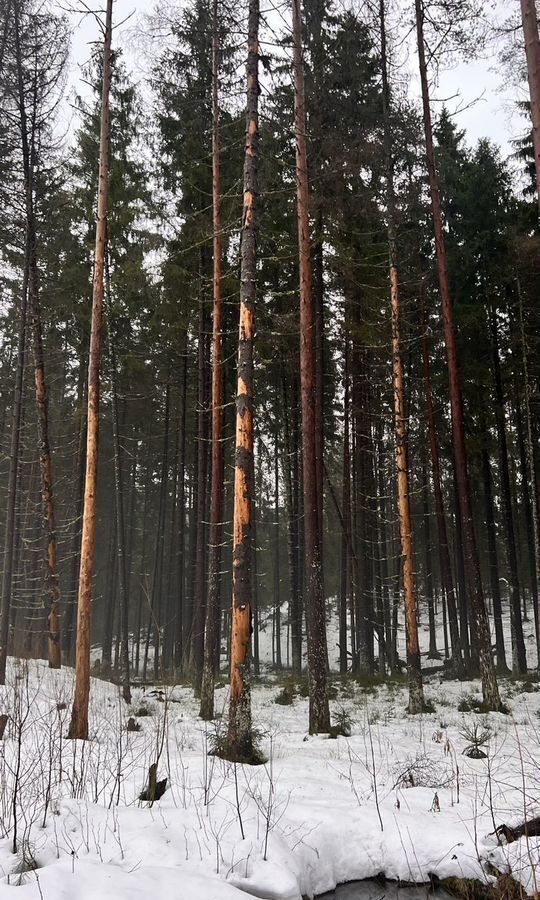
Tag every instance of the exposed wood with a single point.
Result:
(79, 718)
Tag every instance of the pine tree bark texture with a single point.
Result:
(78, 728)
(319, 711)
(414, 669)
(490, 687)
(240, 736)
(211, 636)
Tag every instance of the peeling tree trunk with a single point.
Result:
(319, 712)
(490, 687)
(414, 669)
(529, 23)
(442, 534)
(240, 735)
(79, 718)
(211, 636)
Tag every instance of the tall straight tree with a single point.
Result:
(78, 728)
(445, 565)
(529, 21)
(490, 687)
(240, 745)
(319, 711)
(211, 631)
(414, 670)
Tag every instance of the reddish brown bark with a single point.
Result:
(319, 712)
(240, 736)
(79, 718)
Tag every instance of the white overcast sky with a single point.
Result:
(479, 88)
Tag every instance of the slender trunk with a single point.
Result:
(11, 499)
(531, 460)
(240, 735)
(319, 712)
(433, 653)
(346, 508)
(519, 657)
(526, 500)
(490, 687)
(289, 469)
(500, 651)
(180, 617)
(69, 630)
(277, 568)
(414, 669)
(79, 719)
(442, 534)
(119, 502)
(529, 23)
(211, 636)
(199, 585)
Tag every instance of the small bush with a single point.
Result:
(287, 695)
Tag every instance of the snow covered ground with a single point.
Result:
(397, 797)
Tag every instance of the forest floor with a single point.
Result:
(397, 797)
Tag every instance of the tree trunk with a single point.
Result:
(442, 534)
(119, 504)
(500, 651)
(519, 657)
(199, 584)
(11, 499)
(531, 460)
(490, 687)
(211, 636)
(319, 712)
(240, 734)
(79, 718)
(529, 23)
(346, 509)
(414, 669)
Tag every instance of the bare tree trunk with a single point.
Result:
(442, 534)
(490, 687)
(319, 711)
(199, 582)
(211, 636)
(414, 669)
(289, 469)
(277, 568)
(529, 23)
(14, 453)
(493, 561)
(532, 468)
(240, 734)
(79, 718)
(519, 657)
(119, 505)
(346, 509)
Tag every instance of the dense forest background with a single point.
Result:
(155, 458)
